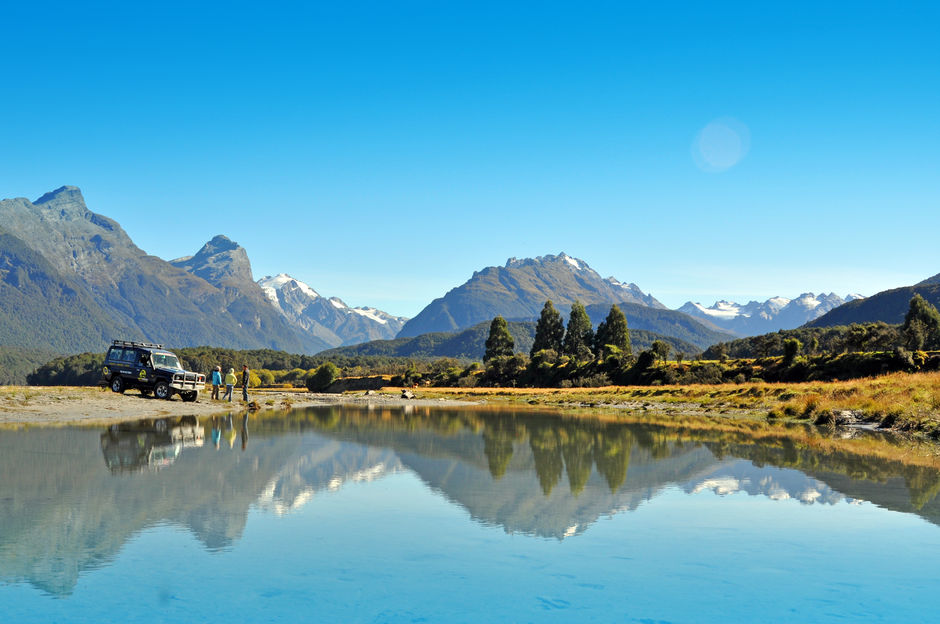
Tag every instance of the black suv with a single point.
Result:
(150, 368)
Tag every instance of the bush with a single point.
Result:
(322, 377)
(266, 377)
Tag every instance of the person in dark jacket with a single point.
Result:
(245, 375)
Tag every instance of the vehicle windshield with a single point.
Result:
(166, 360)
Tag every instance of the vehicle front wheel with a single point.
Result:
(117, 384)
(189, 397)
(162, 390)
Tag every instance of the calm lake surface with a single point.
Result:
(455, 515)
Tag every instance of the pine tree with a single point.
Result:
(549, 331)
(580, 335)
(921, 324)
(613, 332)
(500, 341)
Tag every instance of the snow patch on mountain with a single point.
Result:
(572, 261)
(271, 286)
(721, 309)
(371, 313)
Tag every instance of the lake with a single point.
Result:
(346, 514)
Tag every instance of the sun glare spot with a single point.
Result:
(720, 145)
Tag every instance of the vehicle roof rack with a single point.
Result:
(131, 343)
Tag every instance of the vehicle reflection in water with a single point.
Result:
(149, 444)
(528, 473)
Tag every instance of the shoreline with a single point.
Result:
(74, 405)
(896, 402)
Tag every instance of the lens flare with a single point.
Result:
(720, 145)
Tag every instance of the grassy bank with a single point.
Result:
(900, 401)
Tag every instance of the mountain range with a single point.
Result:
(754, 318)
(71, 280)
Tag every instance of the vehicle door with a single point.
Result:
(142, 366)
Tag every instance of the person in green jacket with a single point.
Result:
(230, 380)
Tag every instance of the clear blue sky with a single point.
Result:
(383, 151)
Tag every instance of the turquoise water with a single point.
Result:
(349, 515)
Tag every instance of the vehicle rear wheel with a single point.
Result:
(161, 390)
(189, 397)
(160, 425)
(117, 384)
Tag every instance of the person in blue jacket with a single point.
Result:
(216, 381)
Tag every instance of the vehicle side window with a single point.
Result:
(115, 354)
(129, 355)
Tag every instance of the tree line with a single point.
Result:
(578, 341)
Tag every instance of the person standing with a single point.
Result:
(245, 375)
(230, 380)
(216, 381)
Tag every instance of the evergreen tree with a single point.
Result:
(500, 341)
(921, 324)
(580, 335)
(791, 349)
(612, 332)
(661, 350)
(549, 331)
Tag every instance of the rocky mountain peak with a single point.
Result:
(220, 262)
(62, 195)
(219, 244)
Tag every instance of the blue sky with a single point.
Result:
(383, 151)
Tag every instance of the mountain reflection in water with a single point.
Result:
(72, 497)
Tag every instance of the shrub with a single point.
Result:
(266, 377)
(322, 377)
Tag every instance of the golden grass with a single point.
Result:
(900, 400)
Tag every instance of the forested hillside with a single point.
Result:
(888, 306)
(470, 344)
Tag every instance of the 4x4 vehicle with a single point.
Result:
(150, 368)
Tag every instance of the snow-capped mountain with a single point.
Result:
(776, 313)
(330, 319)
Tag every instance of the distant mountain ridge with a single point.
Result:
(774, 314)
(328, 318)
(889, 306)
(519, 289)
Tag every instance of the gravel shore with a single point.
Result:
(35, 405)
